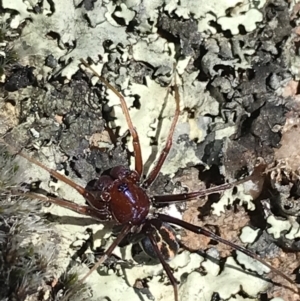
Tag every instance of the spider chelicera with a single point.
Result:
(122, 197)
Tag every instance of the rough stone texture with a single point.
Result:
(238, 102)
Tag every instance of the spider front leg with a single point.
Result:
(100, 214)
(96, 208)
(153, 174)
(133, 132)
(93, 202)
(257, 179)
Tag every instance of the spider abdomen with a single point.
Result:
(165, 237)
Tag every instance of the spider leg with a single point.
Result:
(179, 198)
(257, 178)
(133, 132)
(153, 174)
(164, 264)
(97, 214)
(200, 230)
(85, 193)
(108, 252)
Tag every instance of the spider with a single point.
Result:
(122, 197)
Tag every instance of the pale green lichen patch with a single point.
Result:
(73, 30)
(251, 264)
(249, 235)
(228, 198)
(195, 286)
(157, 52)
(80, 37)
(227, 283)
(157, 107)
(290, 227)
(248, 19)
(124, 41)
(87, 36)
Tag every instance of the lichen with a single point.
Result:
(230, 69)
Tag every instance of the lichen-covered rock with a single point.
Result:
(232, 61)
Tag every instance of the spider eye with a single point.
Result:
(167, 244)
(123, 187)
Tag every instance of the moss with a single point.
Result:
(10, 57)
(28, 248)
(3, 30)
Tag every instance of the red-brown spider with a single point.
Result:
(122, 197)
